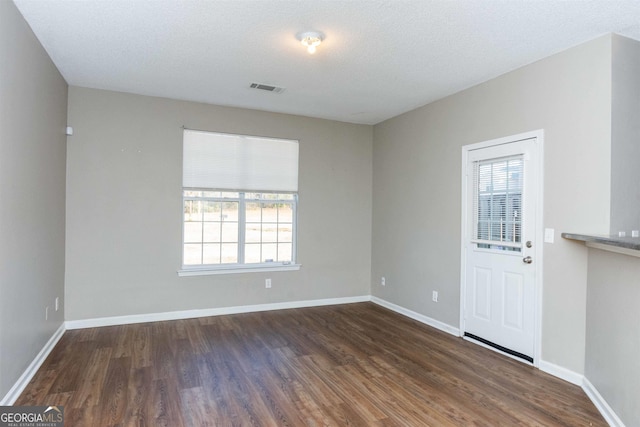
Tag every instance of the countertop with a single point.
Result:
(632, 243)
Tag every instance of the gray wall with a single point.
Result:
(613, 331)
(124, 173)
(33, 110)
(625, 140)
(613, 293)
(417, 188)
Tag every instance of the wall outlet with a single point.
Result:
(267, 283)
(383, 281)
(434, 296)
(57, 303)
(46, 313)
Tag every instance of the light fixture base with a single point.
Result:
(311, 40)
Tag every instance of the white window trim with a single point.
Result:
(234, 269)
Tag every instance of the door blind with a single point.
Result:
(497, 203)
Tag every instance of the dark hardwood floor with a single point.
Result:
(347, 365)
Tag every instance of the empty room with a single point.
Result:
(319, 213)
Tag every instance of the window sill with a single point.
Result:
(208, 271)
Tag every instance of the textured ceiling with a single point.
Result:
(379, 59)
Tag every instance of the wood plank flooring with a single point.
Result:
(345, 365)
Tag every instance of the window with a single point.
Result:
(497, 203)
(239, 202)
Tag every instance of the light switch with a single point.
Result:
(549, 235)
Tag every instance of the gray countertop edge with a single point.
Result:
(619, 242)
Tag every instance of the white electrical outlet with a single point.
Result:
(267, 283)
(434, 296)
(383, 282)
(57, 303)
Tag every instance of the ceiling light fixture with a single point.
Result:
(311, 40)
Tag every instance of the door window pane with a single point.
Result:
(497, 203)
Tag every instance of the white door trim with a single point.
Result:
(539, 136)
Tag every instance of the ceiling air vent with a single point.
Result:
(268, 88)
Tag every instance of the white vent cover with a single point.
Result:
(268, 88)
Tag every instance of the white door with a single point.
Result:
(499, 271)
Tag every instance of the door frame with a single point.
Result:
(539, 233)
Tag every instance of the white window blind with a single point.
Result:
(497, 202)
(238, 162)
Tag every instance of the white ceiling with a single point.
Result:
(380, 58)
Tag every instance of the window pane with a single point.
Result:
(230, 211)
(211, 227)
(211, 211)
(229, 253)
(269, 232)
(252, 233)
(269, 212)
(192, 232)
(192, 254)
(285, 213)
(211, 254)
(285, 252)
(212, 231)
(498, 199)
(269, 252)
(192, 210)
(285, 233)
(252, 253)
(253, 212)
(230, 232)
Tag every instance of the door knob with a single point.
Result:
(527, 260)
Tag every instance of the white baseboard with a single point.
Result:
(23, 381)
(190, 314)
(417, 316)
(605, 410)
(580, 380)
(560, 372)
